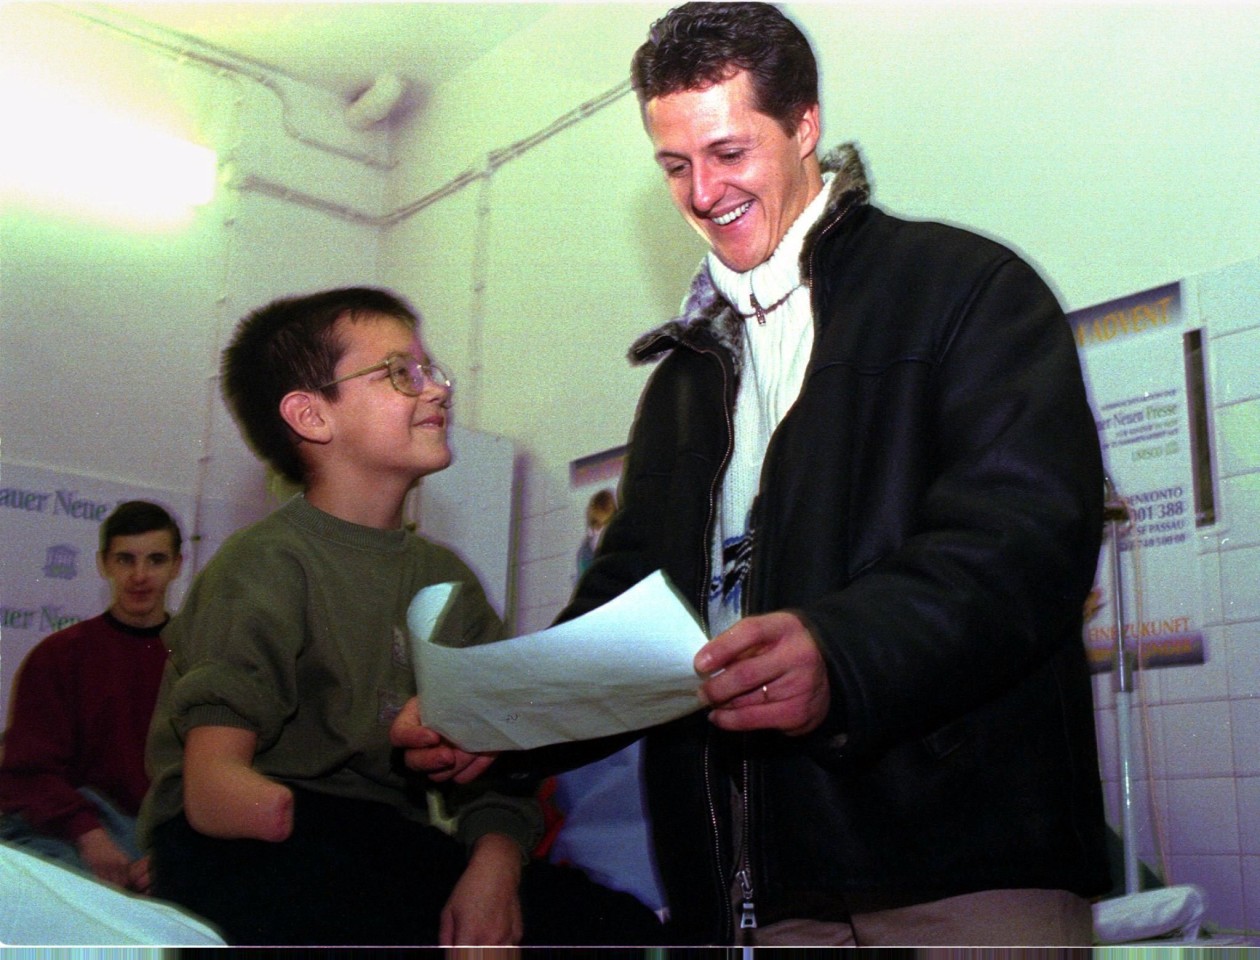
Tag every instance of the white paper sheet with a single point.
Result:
(625, 666)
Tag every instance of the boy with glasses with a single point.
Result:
(278, 811)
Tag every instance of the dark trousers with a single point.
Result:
(356, 873)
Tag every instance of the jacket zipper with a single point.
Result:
(838, 218)
(728, 920)
(744, 874)
(716, 836)
(747, 904)
(707, 546)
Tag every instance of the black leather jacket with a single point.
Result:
(931, 507)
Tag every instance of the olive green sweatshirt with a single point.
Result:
(296, 630)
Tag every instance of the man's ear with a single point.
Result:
(809, 130)
(304, 411)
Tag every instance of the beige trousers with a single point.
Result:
(991, 918)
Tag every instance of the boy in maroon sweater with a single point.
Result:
(72, 776)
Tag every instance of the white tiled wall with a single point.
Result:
(1198, 727)
(553, 523)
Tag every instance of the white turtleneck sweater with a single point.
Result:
(775, 357)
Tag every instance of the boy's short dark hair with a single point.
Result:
(697, 45)
(138, 516)
(292, 344)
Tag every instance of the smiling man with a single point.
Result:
(73, 772)
(866, 455)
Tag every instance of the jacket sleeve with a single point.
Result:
(1001, 500)
(37, 776)
(678, 444)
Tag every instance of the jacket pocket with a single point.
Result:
(943, 741)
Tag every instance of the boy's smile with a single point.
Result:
(382, 431)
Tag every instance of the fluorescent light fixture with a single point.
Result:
(85, 158)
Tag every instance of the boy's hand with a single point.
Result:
(103, 857)
(138, 876)
(484, 909)
(425, 751)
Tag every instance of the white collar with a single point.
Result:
(776, 278)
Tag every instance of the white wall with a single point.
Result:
(1196, 771)
(110, 332)
(1114, 145)
(1231, 304)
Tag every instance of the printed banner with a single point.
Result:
(1134, 358)
(48, 578)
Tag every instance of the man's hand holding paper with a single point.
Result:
(625, 666)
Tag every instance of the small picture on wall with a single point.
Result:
(602, 467)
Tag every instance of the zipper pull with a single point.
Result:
(747, 911)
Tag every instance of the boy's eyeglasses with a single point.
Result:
(407, 374)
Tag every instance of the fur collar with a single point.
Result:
(705, 314)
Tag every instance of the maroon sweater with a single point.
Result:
(80, 711)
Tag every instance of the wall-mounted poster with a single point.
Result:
(1143, 369)
(602, 467)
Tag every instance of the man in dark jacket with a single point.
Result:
(867, 457)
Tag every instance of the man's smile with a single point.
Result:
(733, 215)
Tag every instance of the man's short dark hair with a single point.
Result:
(697, 45)
(292, 344)
(138, 516)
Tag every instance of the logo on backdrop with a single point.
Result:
(61, 562)
(1136, 363)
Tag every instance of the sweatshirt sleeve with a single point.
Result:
(235, 647)
(36, 777)
(498, 802)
